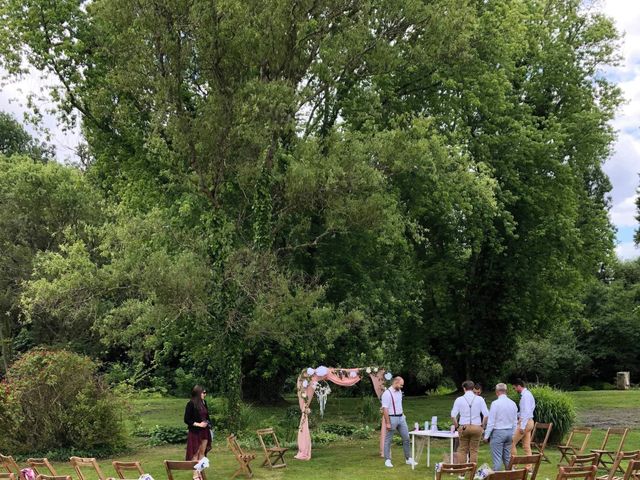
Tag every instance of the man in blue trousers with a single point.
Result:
(503, 420)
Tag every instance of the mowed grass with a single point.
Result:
(351, 459)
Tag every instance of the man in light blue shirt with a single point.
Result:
(503, 419)
(525, 418)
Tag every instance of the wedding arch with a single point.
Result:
(308, 382)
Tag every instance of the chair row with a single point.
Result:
(531, 464)
(612, 445)
(42, 468)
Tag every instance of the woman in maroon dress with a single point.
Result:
(196, 416)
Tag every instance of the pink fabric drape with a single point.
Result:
(304, 436)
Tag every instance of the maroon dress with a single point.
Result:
(197, 434)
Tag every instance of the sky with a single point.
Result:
(623, 167)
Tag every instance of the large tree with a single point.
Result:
(364, 180)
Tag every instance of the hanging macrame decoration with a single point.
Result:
(322, 392)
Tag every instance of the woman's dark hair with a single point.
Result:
(196, 396)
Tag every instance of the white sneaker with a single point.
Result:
(411, 461)
(388, 464)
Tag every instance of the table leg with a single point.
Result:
(413, 451)
(451, 452)
(428, 451)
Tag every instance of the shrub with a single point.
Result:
(341, 429)
(370, 410)
(52, 400)
(322, 438)
(554, 406)
(164, 434)
(363, 433)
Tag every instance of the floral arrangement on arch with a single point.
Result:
(306, 379)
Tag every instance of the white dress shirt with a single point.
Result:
(503, 415)
(527, 406)
(392, 400)
(469, 406)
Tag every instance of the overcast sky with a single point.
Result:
(623, 168)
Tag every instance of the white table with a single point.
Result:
(424, 436)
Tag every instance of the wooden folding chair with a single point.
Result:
(7, 476)
(584, 460)
(633, 470)
(608, 455)
(181, 465)
(9, 465)
(79, 464)
(586, 473)
(571, 448)
(53, 477)
(457, 470)
(617, 464)
(244, 459)
(41, 466)
(121, 467)
(533, 460)
(538, 445)
(274, 453)
(518, 474)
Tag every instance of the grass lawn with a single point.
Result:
(351, 459)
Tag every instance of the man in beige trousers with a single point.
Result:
(466, 416)
(525, 425)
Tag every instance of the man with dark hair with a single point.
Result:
(466, 415)
(525, 425)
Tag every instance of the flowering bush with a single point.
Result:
(52, 399)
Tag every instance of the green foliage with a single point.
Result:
(320, 437)
(370, 410)
(15, 140)
(554, 406)
(340, 429)
(52, 399)
(165, 434)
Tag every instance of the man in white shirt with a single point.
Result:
(466, 415)
(525, 418)
(503, 419)
(395, 420)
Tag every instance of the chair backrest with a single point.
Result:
(533, 460)
(121, 467)
(53, 477)
(7, 476)
(180, 465)
(584, 460)
(538, 429)
(234, 445)
(518, 474)
(633, 470)
(41, 466)
(586, 473)
(621, 433)
(457, 469)
(268, 432)
(584, 432)
(622, 457)
(80, 463)
(9, 465)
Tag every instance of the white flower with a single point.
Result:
(353, 374)
(322, 371)
(368, 370)
(304, 395)
(388, 376)
(310, 371)
(375, 369)
(305, 384)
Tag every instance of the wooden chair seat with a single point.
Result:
(586, 473)
(617, 464)
(608, 454)
(459, 470)
(573, 447)
(519, 474)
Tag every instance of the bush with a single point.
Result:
(52, 400)
(370, 410)
(164, 434)
(322, 438)
(554, 406)
(341, 429)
